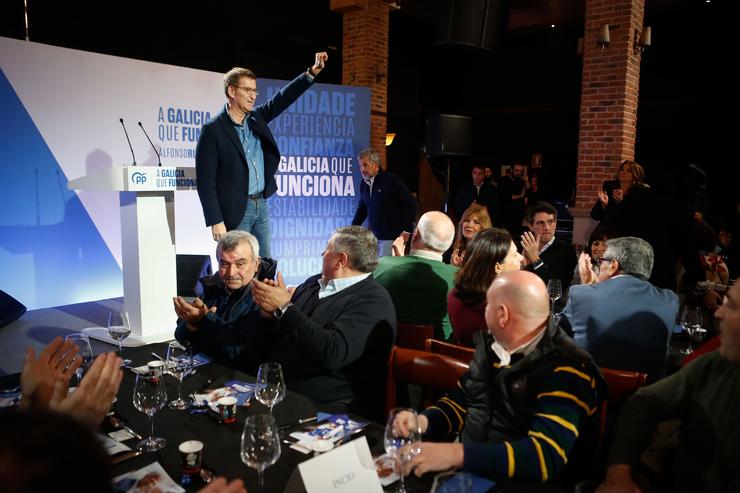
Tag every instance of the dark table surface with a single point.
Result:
(222, 442)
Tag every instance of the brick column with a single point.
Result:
(609, 93)
(365, 58)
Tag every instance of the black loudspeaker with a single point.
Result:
(479, 23)
(10, 309)
(190, 268)
(449, 135)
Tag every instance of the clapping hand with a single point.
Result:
(404, 419)
(530, 247)
(269, 294)
(191, 312)
(585, 272)
(57, 362)
(618, 195)
(603, 197)
(457, 257)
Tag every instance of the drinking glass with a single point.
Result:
(260, 443)
(554, 290)
(85, 352)
(179, 363)
(692, 322)
(118, 330)
(452, 482)
(402, 444)
(150, 395)
(270, 387)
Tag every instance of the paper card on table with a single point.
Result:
(349, 468)
(150, 478)
(243, 391)
(110, 445)
(333, 428)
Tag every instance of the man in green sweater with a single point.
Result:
(705, 395)
(419, 282)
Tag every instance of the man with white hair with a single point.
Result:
(621, 319)
(527, 406)
(419, 282)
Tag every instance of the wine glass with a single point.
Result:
(179, 363)
(85, 352)
(270, 387)
(260, 443)
(691, 321)
(402, 443)
(150, 395)
(118, 330)
(554, 290)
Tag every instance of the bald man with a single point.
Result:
(528, 404)
(419, 282)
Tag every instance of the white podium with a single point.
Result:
(146, 195)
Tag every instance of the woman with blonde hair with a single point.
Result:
(474, 219)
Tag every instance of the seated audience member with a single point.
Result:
(474, 219)
(418, 283)
(226, 323)
(491, 252)
(45, 381)
(43, 451)
(544, 254)
(623, 321)
(333, 333)
(528, 404)
(595, 249)
(705, 396)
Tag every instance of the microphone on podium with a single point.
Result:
(129, 140)
(159, 159)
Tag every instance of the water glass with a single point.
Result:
(402, 442)
(270, 388)
(260, 447)
(692, 321)
(85, 352)
(150, 395)
(119, 329)
(179, 364)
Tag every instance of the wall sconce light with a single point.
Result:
(642, 39)
(603, 40)
(389, 138)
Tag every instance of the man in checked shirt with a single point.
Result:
(527, 407)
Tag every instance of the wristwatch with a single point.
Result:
(537, 264)
(280, 311)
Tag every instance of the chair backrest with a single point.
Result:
(412, 336)
(622, 384)
(435, 373)
(462, 353)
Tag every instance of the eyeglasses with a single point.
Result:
(606, 259)
(251, 91)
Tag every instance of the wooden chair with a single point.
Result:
(461, 353)
(435, 373)
(412, 336)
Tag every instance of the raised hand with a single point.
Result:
(530, 247)
(319, 62)
(603, 197)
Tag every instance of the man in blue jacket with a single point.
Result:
(237, 156)
(385, 202)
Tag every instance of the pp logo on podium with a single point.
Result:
(138, 178)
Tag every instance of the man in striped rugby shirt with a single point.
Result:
(527, 406)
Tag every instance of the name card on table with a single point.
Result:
(349, 468)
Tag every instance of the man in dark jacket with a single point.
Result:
(237, 156)
(333, 334)
(525, 408)
(384, 201)
(225, 324)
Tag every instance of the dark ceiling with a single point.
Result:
(523, 95)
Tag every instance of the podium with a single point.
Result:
(146, 195)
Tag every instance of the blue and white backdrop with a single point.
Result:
(59, 120)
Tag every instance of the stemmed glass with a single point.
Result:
(402, 443)
(554, 292)
(150, 395)
(260, 443)
(85, 351)
(118, 330)
(179, 364)
(692, 322)
(270, 385)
